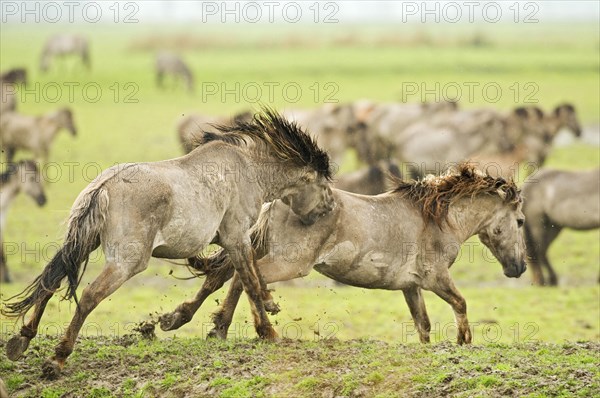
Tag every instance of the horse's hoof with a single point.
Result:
(171, 321)
(216, 334)
(51, 369)
(16, 346)
(271, 307)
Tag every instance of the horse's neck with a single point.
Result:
(468, 216)
(49, 127)
(553, 124)
(273, 176)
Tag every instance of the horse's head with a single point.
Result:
(502, 233)
(567, 118)
(310, 198)
(31, 181)
(64, 118)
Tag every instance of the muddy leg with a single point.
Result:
(243, 261)
(416, 304)
(17, 345)
(446, 290)
(186, 310)
(110, 279)
(224, 315)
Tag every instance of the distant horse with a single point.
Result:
(19, 177)
(531, 132)
(34, 133)
(8, 92)
(174, 209)
(405, 239)
(63, 45)
(14, 76)
(555, 200)
(371, 180)
(190, 128)
(171, 64)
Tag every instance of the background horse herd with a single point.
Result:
(433, 175)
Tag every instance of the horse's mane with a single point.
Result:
(433, 195)
(282, 138)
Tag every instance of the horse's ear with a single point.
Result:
(538, 112)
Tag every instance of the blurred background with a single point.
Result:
(132, 72)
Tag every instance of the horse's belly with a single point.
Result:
(373, 270)
(173, 242)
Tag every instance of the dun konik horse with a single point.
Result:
(19, 177)
(171, 64)
(63, 45)
(556, 200)
(174, 209)
(34, 133)
(405, 239)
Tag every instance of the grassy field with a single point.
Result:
(133, 367)
(510, 317)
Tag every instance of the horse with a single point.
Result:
(557, 199)
(405, 239)
(371, 180)
(191, 127)
(63, 45)
(8, 93)
(487, 136)
(171, 64)
(34, 133)
(174, 209)
(14, 76)
(23, 176)
(531, 133)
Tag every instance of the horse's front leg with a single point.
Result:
(242, 258)
(445, 289)
(416, 304)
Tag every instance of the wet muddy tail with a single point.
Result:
(83, 237)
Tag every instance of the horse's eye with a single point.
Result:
(497, 231)
(520, 222)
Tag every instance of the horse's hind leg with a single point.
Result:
(186, 310)
(110, 279)
(17, 345)
(446, 290)
(416, 304)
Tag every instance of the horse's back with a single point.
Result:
(568, 199)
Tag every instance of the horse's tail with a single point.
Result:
(220, 262)
(85, 225)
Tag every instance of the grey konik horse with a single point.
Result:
(371, 180)
(556, 200)
(33, 133)
(63, 45)
(9, 80)
(190, 128)
(23, 176)
(405, 239)
(174, 209)
(169, 64)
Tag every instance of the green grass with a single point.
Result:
(563, 61)
(304, 369)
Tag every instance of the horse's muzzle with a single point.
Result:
(515, 271)
(40, 200)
